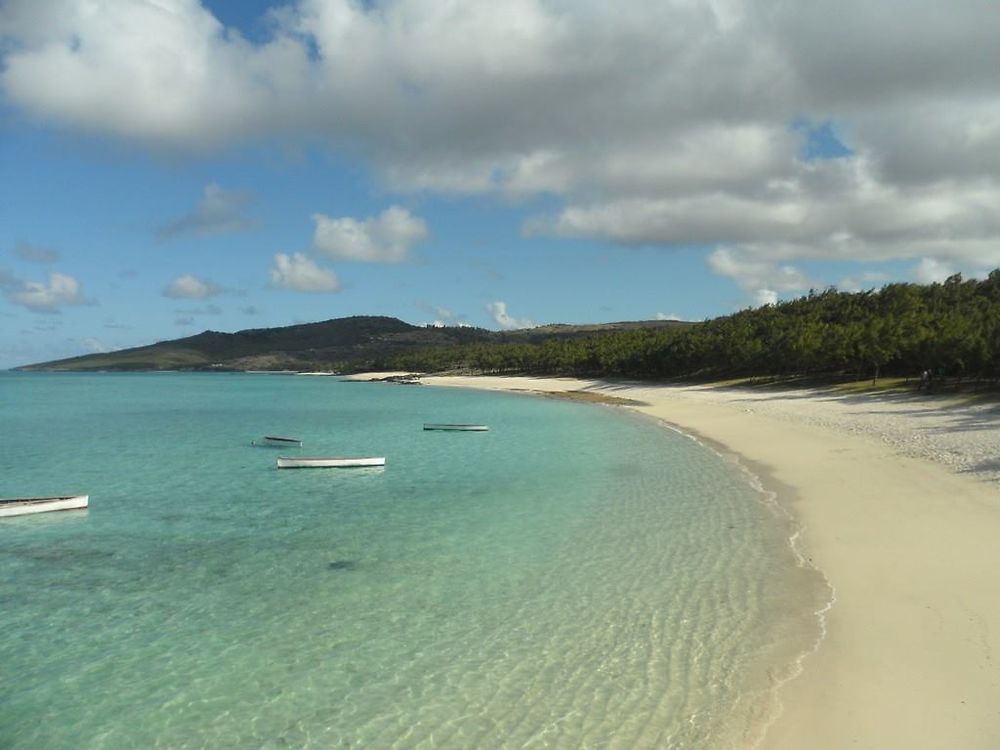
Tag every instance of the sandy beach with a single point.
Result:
(898, 497)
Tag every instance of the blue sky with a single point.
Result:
(181, 166)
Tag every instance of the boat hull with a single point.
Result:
(328, 462)
(24, 506)
(457, 427)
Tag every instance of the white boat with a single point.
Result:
(328, 462)
(281, 442)
(457, 427)
(22, 506)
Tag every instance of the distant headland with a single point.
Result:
(932, 332)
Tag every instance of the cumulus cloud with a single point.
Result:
(386, 238)
(929, 270)
(218, 212)
(763, 279)
(302, 274)
(498, 311)
(444, 317)
(93, 345)
(36, 253)
(762, 297)
(164, 73)
(188, 286)
(866, 280)
(61, 290)
(668, 316)
(670, 124)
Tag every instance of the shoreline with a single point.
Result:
(899, 509)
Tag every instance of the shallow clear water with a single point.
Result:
(575, 577)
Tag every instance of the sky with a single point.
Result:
(172, 166)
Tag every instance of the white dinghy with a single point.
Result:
(328, 462)
(22, 506)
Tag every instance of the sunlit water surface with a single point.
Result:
(577, 577)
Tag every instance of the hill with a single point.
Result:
(949, 329)
(339, 345)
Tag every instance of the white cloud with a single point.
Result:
(762, 297)
(218, 212)
(929, 270)
(386, 238)
(763, 280)
(440, 323)
(866, 280)
(498, 310)
(302, 274)
(668, 316)
(93, 345)
(164, 73)
(189, 286)
(443, 317)
(669, 123)
(60, 291)
(442, 313)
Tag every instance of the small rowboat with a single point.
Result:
(457, 427)
(22, 506)
(328, 462)
(281, 442)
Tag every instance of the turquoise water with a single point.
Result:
(576, 577)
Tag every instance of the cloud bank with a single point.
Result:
(677, 123)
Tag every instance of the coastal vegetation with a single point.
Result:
(354, 344)
(949, 329)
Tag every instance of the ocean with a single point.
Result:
(576, 577)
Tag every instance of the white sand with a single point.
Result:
(899, 498)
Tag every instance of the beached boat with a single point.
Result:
(328, 462)
(457, 427)
(274, 440)
(22, 506)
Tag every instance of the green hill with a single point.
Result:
(341, 345)
(949, 329)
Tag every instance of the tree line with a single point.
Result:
(948, 329)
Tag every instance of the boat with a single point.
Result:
(328, 462)
(274, 440)
(22, 506)
(457, 427)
